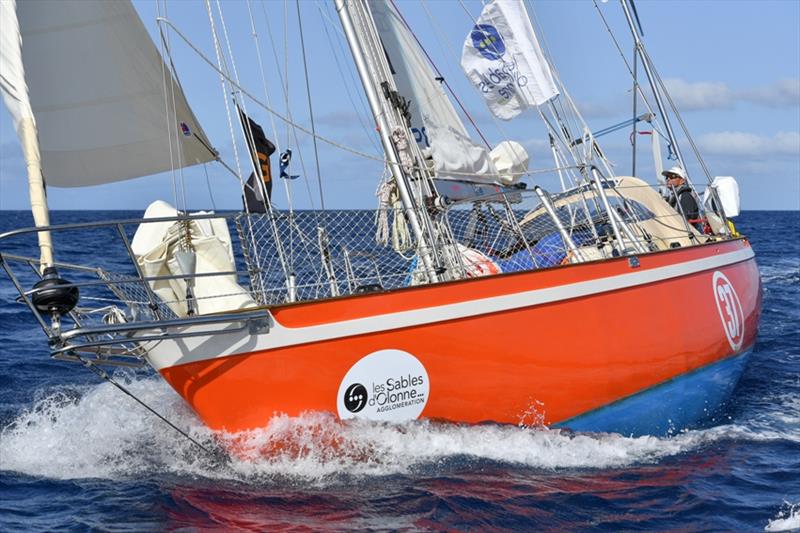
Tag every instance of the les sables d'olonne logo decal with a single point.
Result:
(730, 310)
(384, 385)
(487, 41)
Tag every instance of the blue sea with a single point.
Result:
(77, 454)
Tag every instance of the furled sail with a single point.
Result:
(96, 85)
(434, 122)
(15, 96)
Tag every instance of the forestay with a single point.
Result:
(96, 84)
(436, 126)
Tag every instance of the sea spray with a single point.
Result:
(788, 519)
(95, 432)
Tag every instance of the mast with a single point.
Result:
(368, 55)
(653, 84)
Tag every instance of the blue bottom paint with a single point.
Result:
(682, 402)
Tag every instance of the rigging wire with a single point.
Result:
(355, 83)
(362, 112)
(286, 184)
(283, 77)
(674, 108)
(454, 54)
(247, 130)
(226, 78)
(591, 147)
(166, 105)
(173, 126)
(439, 73)
(242, 106)
(565, 116)
(310, 107)
(224, 82)
(627, 65)
(559, 135)
(208, 185)
(673, 149)
(571, 112)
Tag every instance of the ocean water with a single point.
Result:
(76, 454)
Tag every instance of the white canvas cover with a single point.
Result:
(502, 58)
(728, 192)
(96, 90)
(436, 126)
(155, 244)
(511, 161)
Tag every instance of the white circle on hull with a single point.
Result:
(384, 385)
(730, 310)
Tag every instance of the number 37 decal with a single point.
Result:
(730, 310)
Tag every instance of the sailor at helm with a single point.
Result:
(681, 196)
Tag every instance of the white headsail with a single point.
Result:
(434, 122)
(502, 58)
(15, 96)
(96, 85)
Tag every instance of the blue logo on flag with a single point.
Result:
(488, 42)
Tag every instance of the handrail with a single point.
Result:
(245, 315)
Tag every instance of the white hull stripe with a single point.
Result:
(169, 353)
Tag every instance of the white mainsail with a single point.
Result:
(96, 86)
(436, 126)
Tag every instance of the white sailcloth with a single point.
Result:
(435, 124)
(12, 72)
(503, 60)
(15, 96)
(96, 88)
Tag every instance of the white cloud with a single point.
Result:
(537, 148)
(698, 95)
(603, 109)
(339, 119)
(750, 144)
(690, 96)
(782, 93)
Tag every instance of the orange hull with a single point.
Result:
(531, 347)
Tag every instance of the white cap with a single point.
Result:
(678, 171)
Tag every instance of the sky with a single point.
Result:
(732, 67)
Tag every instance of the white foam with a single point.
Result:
(785, 268)
(787, 520)
(99, 432)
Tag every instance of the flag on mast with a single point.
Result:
(502, 58)
(260, 150)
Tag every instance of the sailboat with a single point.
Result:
(466, 297)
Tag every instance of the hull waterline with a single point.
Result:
(633, 346)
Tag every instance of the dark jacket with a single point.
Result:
(684, 196)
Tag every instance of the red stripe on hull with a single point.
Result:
(567, 357)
